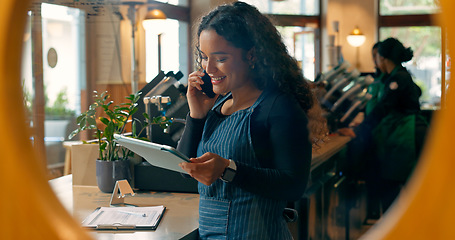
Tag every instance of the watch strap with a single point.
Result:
(230, 171)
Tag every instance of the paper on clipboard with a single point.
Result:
(158, 155)
(117, 218)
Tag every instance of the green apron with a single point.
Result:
(394, 138)
(376, 90)
(395, 141)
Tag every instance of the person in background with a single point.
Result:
(250, 147)
(377, 86)
(376, 90)
(394, 126)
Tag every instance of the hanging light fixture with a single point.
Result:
(149, 21)
(155, 14)
(356, 37)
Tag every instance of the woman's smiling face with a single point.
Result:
(226, 64)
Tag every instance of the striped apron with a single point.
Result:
(227, 211)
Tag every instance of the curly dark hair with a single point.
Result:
(246, 28)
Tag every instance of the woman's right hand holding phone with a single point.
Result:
(199, 103)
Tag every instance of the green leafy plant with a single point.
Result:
(60, 107)
(114, 121)
(58, 110)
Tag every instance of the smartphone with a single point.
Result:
(207, 87)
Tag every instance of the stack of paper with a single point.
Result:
(108, 218)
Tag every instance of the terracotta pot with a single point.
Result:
(109, 172)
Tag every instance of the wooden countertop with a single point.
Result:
(333, 145)
(180, 218)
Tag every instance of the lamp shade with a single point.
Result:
(356, 38)
(155, 14)
(154, 19)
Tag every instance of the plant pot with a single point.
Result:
(109, 172)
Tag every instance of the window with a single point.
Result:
(63, 51)
(408, 7)
(171, 40)
(411, 23)
(299, 7)
(175, 2)
(53, 73)
(300, 43)
(426, 63)
(298, 22)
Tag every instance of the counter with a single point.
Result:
(180, 220)
(81, 196)
(330, 147)
(322, 209)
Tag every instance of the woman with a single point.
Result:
(250, 145)
(394, 125)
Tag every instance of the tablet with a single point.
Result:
(158, 155)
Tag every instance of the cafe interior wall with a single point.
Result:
(349, 14)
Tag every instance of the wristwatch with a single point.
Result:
(229, 173)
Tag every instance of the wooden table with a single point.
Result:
(180, 219)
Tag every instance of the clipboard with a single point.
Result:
(158, 155)
(124, 218)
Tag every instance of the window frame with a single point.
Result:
(314, 21)
(178, 13)
(419, 20)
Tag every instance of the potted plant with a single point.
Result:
(113, 161)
